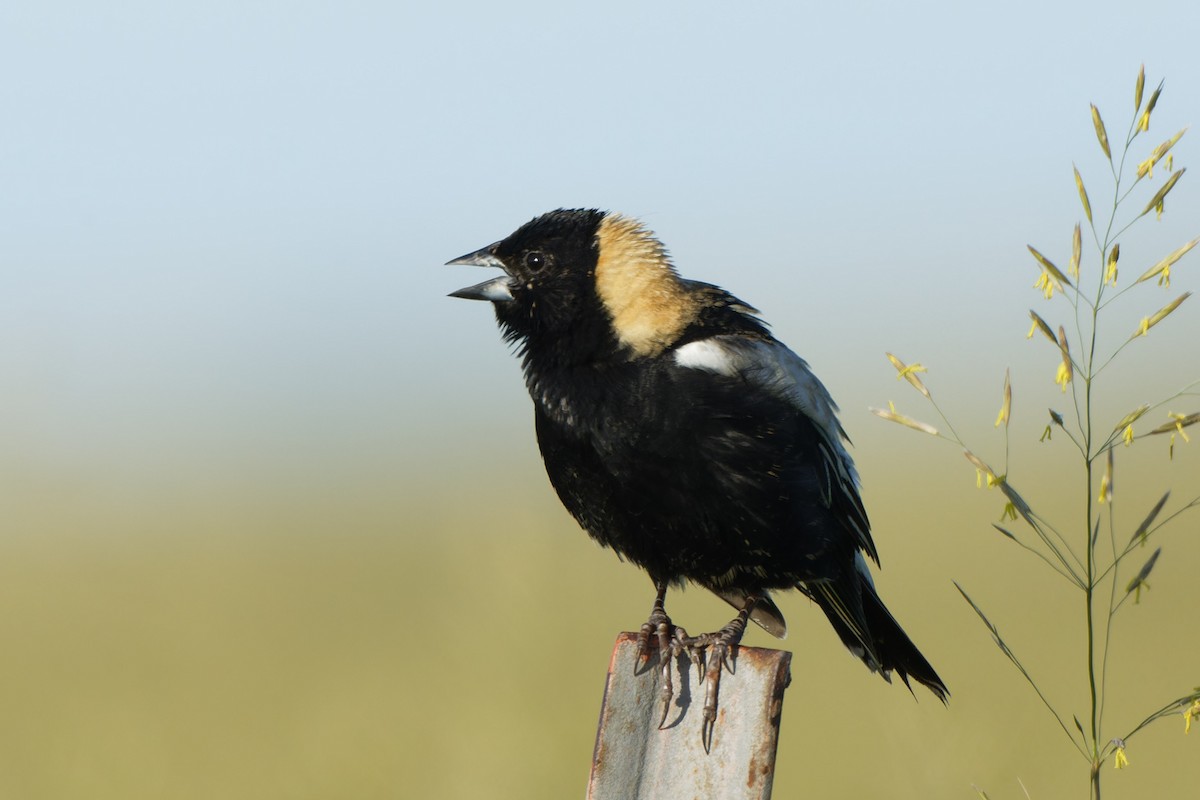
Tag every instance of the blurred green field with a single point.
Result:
(411, 643)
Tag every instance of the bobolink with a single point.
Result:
(679, 432)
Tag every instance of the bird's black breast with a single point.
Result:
(689, 473)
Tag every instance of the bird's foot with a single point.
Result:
(722, 653)
(659, 625)
(672, 641)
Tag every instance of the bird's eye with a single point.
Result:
(535, 261)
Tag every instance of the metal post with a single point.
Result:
(634, 759)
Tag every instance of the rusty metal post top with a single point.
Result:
(634, 759)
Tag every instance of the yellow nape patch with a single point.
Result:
(648, 303)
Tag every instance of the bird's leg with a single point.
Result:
(720, 645)
(658, 624)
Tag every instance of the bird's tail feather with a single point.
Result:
(869, 630)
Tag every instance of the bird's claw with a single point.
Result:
(722, 655)
(671, 646)
(658, 625)
(709, 653)
(718, 659)
(669, 641)
(694, 650)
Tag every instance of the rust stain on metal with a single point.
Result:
(634, 759)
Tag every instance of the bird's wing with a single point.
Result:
(768, 365)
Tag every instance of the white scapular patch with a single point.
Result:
(706, 354)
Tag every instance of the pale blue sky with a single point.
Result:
(222, 227)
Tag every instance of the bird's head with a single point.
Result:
(587, 278)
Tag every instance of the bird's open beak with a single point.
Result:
(497, 290)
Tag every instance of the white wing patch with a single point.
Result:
(709, 354)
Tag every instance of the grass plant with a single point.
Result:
(1098, 552)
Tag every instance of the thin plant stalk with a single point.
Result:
(1080, 371)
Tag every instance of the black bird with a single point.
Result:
(679, 432)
